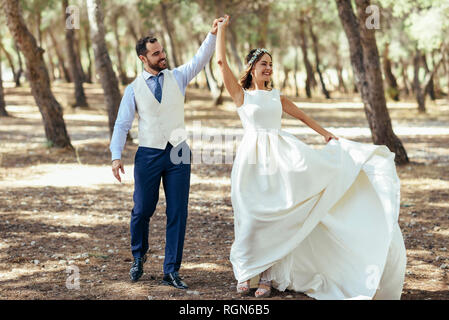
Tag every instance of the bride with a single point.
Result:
(319, 221)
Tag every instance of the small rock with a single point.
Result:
(150, 297)
(33, 243)
(443, 249)
(110, 251)
(71, 261)
(161, 257)
(444, 266)
(36, 261)
(87, 261)
(85, 255)
(289, 296)
(62, 261)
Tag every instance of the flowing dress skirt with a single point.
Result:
(325, 221)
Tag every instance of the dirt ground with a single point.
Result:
(63, 212)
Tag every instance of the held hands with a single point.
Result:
(215, 25)
(224, 22)
(328, 136)
(117, 165)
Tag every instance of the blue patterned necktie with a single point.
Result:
(158, 91)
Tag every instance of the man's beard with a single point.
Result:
(157, 66)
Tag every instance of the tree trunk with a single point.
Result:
(338, 66)
(234, 50)
(121, 73)
(169, 30)
(419, 94)
(79, 65)
(132, 30)
(430, 87)
(80, 97)
(286, 73)
(317, 61)
(368, 76)
(87, 41)
(61, 63)
(308, 66)
(405, 77)
(20, 71)
(295, 73)
(50, 61)
(341, 81)
(3, 112)
(393, 90)
(50, 109)
(263, 14)
(215, 89)
(103, 63)
(38, 23)
(447, 71)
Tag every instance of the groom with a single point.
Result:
(157, 94)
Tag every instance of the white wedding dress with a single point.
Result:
(325, 221)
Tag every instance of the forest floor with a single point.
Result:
(62, 211)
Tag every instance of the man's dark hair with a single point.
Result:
(141, 46)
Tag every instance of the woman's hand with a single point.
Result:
(328, 136)
(223, 23)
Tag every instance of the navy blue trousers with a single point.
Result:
(152, 165)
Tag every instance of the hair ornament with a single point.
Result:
(256, 54)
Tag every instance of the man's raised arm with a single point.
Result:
(189, 70)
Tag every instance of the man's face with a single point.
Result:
(155, 57)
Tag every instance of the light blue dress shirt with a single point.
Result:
(183, 75)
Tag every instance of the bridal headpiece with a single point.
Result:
(256, 54)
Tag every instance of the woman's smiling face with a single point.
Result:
(263, 69)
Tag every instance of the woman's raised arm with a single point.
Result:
(229, 80)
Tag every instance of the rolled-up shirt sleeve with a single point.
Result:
(189, 70)
(123, 123)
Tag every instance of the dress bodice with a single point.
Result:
(261, 109)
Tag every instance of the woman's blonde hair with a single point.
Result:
(246, 78)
